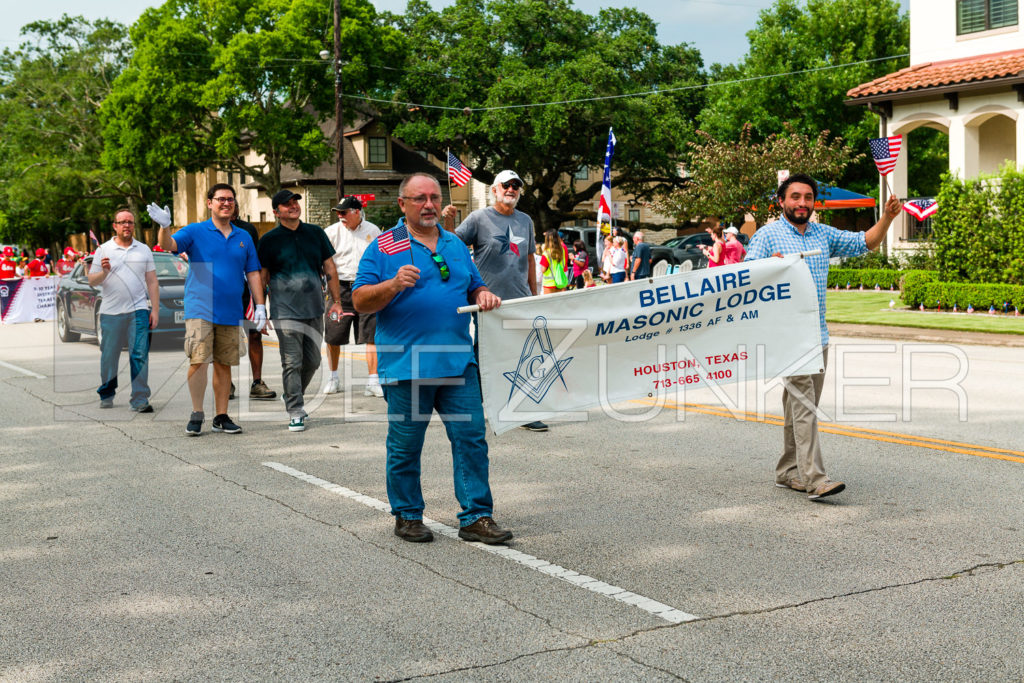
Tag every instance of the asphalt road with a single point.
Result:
(652, 548)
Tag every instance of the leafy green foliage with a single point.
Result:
(804, 43)
(52, 183)
(979, 229)
(209, 80)
(480, 55)
(734, 178)
(868, 278)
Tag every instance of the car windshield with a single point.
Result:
(169, 267)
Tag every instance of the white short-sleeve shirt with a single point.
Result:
(124, 289)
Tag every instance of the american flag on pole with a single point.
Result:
(459, 174)
(885, 151)
(921, 208)
(395, 240)
(604, 211)
(92, 236)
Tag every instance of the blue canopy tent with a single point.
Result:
(837, 198)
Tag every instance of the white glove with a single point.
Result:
(259, 318)
(161, 217)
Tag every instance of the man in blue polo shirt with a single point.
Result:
(801, 467)
(222, 258)
(413, 277)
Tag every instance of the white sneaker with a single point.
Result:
(333, 386)
(373, 390)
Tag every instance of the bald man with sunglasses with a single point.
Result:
(414, 277)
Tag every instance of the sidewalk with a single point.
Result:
(925, 335)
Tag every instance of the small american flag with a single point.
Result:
(885, 151)
(92, 236)
(921, 208)
(459, 174)
(394, 241)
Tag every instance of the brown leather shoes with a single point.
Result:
(829, 488)
(792, 483)
(485, 530)
(413, 530)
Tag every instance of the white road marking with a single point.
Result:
(658, 609)
(22, 370)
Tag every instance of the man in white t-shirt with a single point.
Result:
(124, 271)
(350, 237)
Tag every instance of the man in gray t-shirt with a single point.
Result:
(503, 245)
(502, 240)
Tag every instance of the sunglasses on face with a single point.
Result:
(514, 184)
(441, 266)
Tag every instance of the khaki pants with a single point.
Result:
(801, 456)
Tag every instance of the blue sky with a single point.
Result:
(716, 27)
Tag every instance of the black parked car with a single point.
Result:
(683, 252)
(78, 304)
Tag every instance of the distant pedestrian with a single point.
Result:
(124, 270)
(295, 258)
(37, 267)
(617, 259)
(553, 264)
(641, 261)
(220, 255)
(580, 264)
(8, 266)
(716, 250)
(734, 250)
(801, 467)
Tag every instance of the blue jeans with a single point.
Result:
(458, 402)
(117, 329)
(618, 277)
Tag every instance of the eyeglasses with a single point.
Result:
(422, 199)
(124, 222)
(441, 266)
(224, 200)
(514, 184)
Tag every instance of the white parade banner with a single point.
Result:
(28, 299)
(559, 355)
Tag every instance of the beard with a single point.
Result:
(794, 219)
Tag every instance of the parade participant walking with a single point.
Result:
(8, 266)
(220, 255)
(734, 250)
(124, 270)
(641, 267)
(350, 236)
(37, 267)
(66, 263)
(258, 391)
(801, 467)
(553, 264)
(412, 269)
(294, 257)
(503, 244)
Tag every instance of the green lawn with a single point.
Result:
(872, 308)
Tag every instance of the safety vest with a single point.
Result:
(555, 275)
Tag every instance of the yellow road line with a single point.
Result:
(857, 432)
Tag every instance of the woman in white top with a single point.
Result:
(617, 258)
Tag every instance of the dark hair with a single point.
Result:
(579, 246)
(219, 186)
(797, 178)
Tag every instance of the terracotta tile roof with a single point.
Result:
(950, 72)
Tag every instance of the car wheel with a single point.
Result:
(64, 325)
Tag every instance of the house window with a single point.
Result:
(634, 215)
(378, 150)
(582, 173)
(231, 178)
(981, 15)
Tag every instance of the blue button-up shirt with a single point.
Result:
(217, 268)
(782, 238)
(419, 334)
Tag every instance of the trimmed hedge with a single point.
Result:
(869, 277)
(923, 287)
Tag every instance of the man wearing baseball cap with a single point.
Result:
(8, 266)
(350, 236)
(503, 244)
(294, 256)
(37, 267)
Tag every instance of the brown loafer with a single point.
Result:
(485, 530)
(792, 483)
(829, 488)
(413, 530)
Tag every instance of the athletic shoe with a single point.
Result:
(144, 408)
(333, 386)
(195, 424)
(223, 423)
(829, 488)
(261, 392)
(792, 483)
(535, 427)
(107, 402)
(373, 390)
(297, 424)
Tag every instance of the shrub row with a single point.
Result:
(946, 295)
(867, 277)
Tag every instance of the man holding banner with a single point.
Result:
(801, 467)
(414, 277)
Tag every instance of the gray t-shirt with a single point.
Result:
(502, 249)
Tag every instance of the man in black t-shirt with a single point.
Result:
(294, 256)
(259, 390)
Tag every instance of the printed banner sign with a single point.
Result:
(27, 299)
(559, 355)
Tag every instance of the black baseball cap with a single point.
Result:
(283, 197)
(347, 203)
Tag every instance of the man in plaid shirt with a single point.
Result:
(800, 467)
